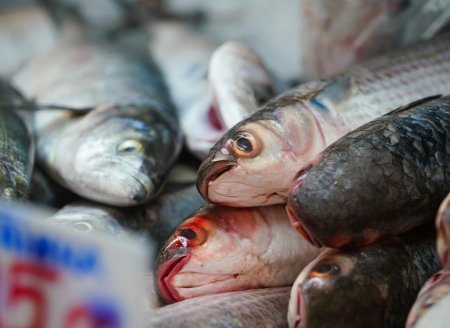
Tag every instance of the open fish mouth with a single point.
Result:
(209, 172)
(165, 275)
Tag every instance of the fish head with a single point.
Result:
(122, 159)
(332, 290)
(443, 231)
(254, 163)
(215, 250)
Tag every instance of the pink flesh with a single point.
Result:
(165, 276)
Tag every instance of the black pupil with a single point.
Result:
(244, 144)
(129, 149)
(188, 233)
(327, 268)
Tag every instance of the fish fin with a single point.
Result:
(333, 93)
(412, 104)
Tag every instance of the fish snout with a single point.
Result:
(211, 169)
(297, 223)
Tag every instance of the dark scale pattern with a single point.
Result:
(388, 176)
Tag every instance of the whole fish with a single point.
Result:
(212, 88)
(16, 146)
(443, 232)
(264, 307)
(431, 306)
(372, 287)
(384, 178)
(26, 31)
(255, 162)
(220, 249)
(121, 151)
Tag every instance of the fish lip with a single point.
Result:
(297, 224)
(299, 309)
(166, 272)
(209, 171)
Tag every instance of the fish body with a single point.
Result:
(371, 287)
(264, 307)
(221, 249)
(430, 308)
(443, 232)
(256, 161)
(16, 146)
(121, 151)
(386, 177)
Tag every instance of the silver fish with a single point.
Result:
(121, 151)
(256, 161)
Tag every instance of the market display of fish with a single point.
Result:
(16, 146)
(372, 287)
(121, 151)
(265, 307)
(384, 178)
(443, 232)
(220, 249)
(256, 161)
(431, 306)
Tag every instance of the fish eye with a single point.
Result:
(83, 226)
(324, 269)
(244, 144)
(195, 235)
(130, 147)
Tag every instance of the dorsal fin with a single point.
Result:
(413, 104)
(334, 93)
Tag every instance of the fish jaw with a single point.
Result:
(165, 276)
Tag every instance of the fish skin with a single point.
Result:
(371, 287)
(264, 307)
(291, 129)
(231, 249)
(443, 232)
(386, 177)
(16, 146)
(125, 93)
(432, 293)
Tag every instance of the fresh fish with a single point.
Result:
(372, 287)
(26, 31)
(384, 178)
(443, 231)
(255, 162)
(16, 146)
(431, 306)
(121, 151)
(264, 307)
(212, 88)
(221, 249)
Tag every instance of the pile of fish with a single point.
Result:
(322, 205)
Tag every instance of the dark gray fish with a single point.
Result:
(121, 151)
(16, 146)
(254, 163)
(372, 287)
(383, 178)
(432, 303)
(253, 308)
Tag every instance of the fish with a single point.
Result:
(221, 249)
(213, 87)
(16, 146)
(385, 177)
(26, 31)
(256, 161)
(443, 231)
(371, 287)
(430, 308)
(265, 307)
(121, 151)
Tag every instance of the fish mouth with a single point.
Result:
(165, 275)
(210, 171)
(299, 308)
(297, 224)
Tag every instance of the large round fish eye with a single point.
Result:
(195, 235)
(244, 144)
(130, 147)
(325, 269)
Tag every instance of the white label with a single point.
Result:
(52, 277)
